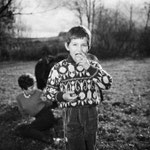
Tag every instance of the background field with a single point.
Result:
(124, 116)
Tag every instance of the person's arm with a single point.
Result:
(47, 102)
(52, 92)
(96, 73)
(24, 115)
(99, 76)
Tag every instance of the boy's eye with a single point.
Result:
(31, 88)
(74, 44)
(84, 45)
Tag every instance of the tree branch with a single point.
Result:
(3, 8)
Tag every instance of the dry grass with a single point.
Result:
(124, 116)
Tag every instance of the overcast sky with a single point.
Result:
(52, 22)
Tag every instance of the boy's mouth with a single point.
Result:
(78, 57)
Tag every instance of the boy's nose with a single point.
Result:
(79, 48)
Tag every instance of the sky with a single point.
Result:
(53, 21)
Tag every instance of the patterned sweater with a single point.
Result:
(67, 76)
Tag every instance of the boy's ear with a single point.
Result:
(66, 46)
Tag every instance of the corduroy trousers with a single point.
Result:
(80, 126)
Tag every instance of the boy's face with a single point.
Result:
(78, 48)
(30, 90)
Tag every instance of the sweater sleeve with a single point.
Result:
(52, 91)
(100, 76)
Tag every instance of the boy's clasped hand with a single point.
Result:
(82, 60)
(70, 96)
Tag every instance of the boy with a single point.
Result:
(30, 103)
(74, 83)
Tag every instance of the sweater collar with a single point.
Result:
(70, 59)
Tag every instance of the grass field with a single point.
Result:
(124, 116)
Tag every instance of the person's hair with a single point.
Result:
(26, 80)
(78, 32)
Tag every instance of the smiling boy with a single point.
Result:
(74, 83)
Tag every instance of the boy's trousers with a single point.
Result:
(80, 125)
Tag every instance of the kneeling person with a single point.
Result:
(31, 104)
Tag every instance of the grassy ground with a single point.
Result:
(124, 116)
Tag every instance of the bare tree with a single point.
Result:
(147, 9)
(5, 8)
(21, 29)
(84, 10)
(8, 10)
(6, 14)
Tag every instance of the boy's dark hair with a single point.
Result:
(25, 81)
(78, 32)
